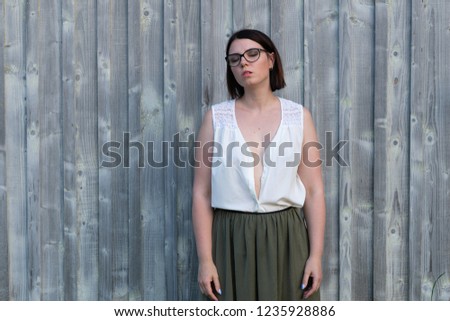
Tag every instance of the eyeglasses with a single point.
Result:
(251, 55)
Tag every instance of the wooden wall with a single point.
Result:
(79, 74)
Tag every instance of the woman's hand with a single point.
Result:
(313, 270)
(207, 276)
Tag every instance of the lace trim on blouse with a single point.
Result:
(223, 114)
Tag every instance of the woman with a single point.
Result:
(253, 186)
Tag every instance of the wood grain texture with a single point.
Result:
(321, 89)
(4, 263)
(112, 67)
(134, 52)
(78, 74)
(216, 29)
(252, 14)
(173, 58)
(356, 71)
(391, 184)
(50, 152)
(187, 119)
(86, 149)
(182, 57)
(33, 141)
(287, 20)
(15, 146)
(71, 251)
(429, 153)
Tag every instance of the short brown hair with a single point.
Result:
(276, 75)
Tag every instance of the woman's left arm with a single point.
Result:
(310, 172)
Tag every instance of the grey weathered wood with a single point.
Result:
(356, 21)
(286, 18)
(391, 191)
(15, 146)
(441, 219)
(253, 14)
(71, 250)
(437, 149)
(172, 60)
(79, 73)
(113, 122)
(147, 121)
(216, 29)
(429, 246)
(50, 151)
(33, 140)
(186, 114)
(86, 148)
(321, 69)
(3, 192)
(181, 50)
(135, 253)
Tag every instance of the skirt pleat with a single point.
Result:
(260, 256)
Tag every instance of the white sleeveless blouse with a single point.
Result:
(232, 173)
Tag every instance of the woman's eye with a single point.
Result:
(252, 53)
(233, 59)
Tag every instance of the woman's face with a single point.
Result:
(250, 74)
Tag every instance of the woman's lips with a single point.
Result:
(246, 73)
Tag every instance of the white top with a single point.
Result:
(232, 172)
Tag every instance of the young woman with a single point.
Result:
(258, 199)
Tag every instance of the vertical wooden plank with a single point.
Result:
(391, 158)
(287, 30)
(441, 219)
(33, 126)
(187, 115)
(181, 99)
(251, 14)
(429, 188)
(216, 29)
(146, 70)
(113, 123)
(15, 146)
(71, 254)
(86, 148)
(321, 96)
(3, 188)
(135, 253)
(106, 128)
(356, 36)
(172, 24)
(50, 148)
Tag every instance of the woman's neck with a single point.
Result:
(261, 99)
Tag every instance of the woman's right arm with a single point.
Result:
(202, 214)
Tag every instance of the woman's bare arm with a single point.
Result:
(310, 172)
(202, 214)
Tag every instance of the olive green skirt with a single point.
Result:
(260, 256)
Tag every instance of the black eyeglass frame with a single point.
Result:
(243, 55)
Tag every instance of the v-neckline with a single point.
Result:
(272, 140)
(242, 135)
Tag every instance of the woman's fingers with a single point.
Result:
(217, 285)
(312, 286)
(208, 281)
(312, 277)
(207, 290)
